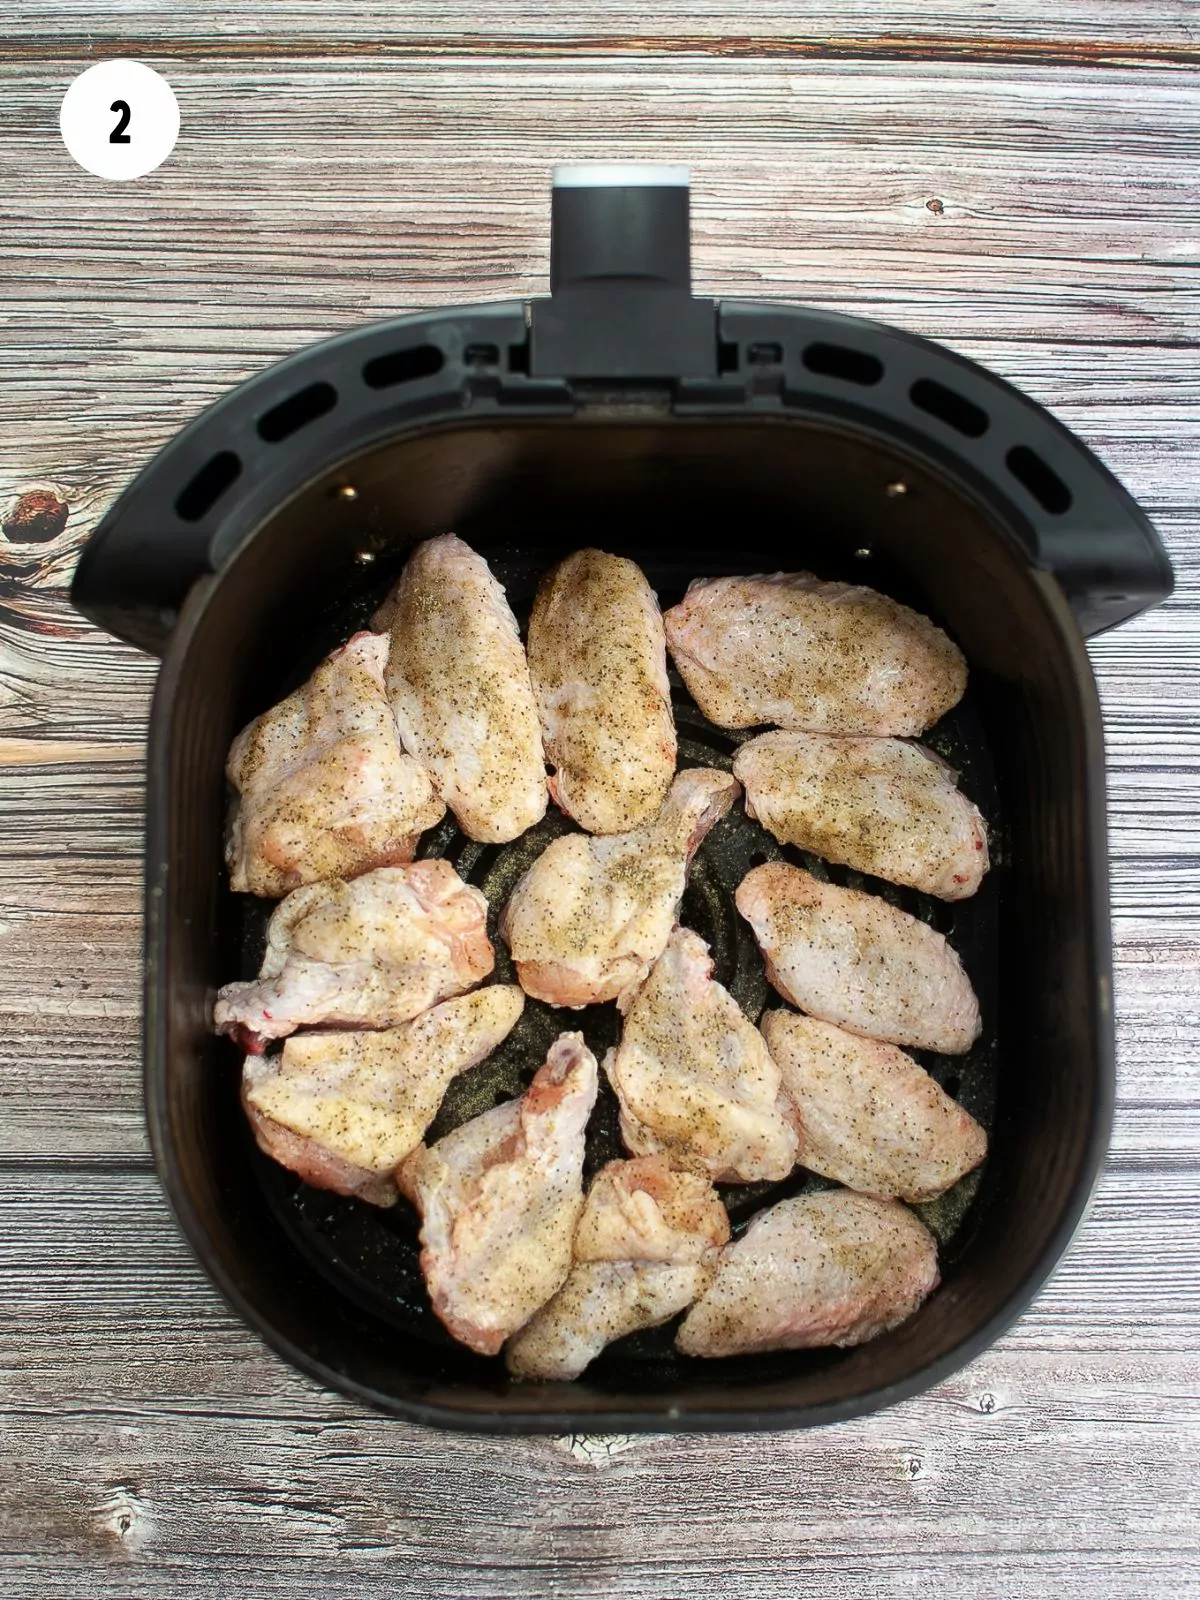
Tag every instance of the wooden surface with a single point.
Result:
(340, 164)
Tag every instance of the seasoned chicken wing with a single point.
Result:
(459, 686)
(324, 788)
(879, 805)
(867, 1114)
(853, 959)
(598, 658)
(590, 915)
(368, 953)
(829, 657)
(832, 1268)
(694, 1076)
(344, 1109)
(645, 1246)
(500, 1198)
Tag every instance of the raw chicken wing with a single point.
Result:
(867, 1114)
(878, 805)
(590, 916)
(344, 1109)
(598, 659)
(324, 788)
(459, 686)
(829, 657)
(645, 1246)
(853, 959)
(694, 1077)
(369, 953)
(500, 1198)
(831, 1268)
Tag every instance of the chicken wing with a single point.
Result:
(324, 788)
(590, 916)
(878, 805)
(694, 1076)
(829, 657)
(645, 1246)
(867, 1114)
(500, 1198)
(344, 1109)
(459, 686)
(368, 953)
(853, 959)
(832, 1268)
(598, 659)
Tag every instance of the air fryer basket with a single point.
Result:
(698, 439)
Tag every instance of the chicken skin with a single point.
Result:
(645, 1246)
(369, 953)
(827, 657)
(344, 1109)
(854, 960)
(832, 1268)
(590, 916)
(324, 788)
(500, 1198)
(598, 659)
(867, 1114)
(459, 686)
(694, 1075)
(879, 805)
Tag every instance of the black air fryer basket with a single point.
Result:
(699, 437)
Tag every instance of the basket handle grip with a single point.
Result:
(620, 223)
(621, 303)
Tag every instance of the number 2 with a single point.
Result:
(118, 135)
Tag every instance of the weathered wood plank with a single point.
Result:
(1075, 33)
(351, 1507)
(809, 181)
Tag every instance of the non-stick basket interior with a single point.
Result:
(339, 1279)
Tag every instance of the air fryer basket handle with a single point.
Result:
(618, 224)
(621, 306)
(621, 325)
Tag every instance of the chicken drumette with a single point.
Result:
(590, 916)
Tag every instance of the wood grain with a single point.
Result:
(338, 165)
(1122, 31)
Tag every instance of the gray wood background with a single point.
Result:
(1020, 181)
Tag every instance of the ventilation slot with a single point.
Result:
(727, 356)
(518, 357)
(209, 484)
(950, 407)
(840, 361)
(296, 412)
(1043, 483)
(403, 366)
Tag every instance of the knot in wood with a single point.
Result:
(38, 516)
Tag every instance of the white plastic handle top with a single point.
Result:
(621, 175)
